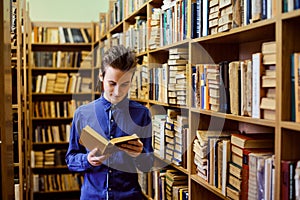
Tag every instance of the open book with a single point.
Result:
(91, 139)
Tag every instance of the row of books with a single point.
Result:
(170, 137)
(55, 109)
(57, 182)
(61, 82)
(211, 17)
(132, 5)
(290, 179)
(173, 21)
(118, 10)
(170, 184)
(240, 165)
(59, 59)
(51, 133)
(137, 35)
(48, 157)
(140, 81)
(61, 35)
(289, 6)
(225, 87)
(154, 29)
(168, 81)
(13, 23)
(116, 13)
(295, 85)
(168, 24)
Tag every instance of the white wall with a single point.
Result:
(66, 10)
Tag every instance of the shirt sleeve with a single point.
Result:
(144, 161)
(76, 157)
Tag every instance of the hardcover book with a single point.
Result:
(91, 139)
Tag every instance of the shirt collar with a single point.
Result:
(108, 105)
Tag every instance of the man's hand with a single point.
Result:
(133, 148)
(94, 159)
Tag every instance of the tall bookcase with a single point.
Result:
(60, 78)
(19, 40)
(235, 44)
(6, 148)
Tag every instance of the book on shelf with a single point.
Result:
(268, 47)
(256, 174)
(288, 180)
(91, 139)
(253, 140)
(232, 192)
(257, 92)
(268, 103)
(297, 180)
(295, 76)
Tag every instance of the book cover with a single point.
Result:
(287, 179)
(253, 140)
(91, 139)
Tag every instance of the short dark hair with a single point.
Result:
(119, 57)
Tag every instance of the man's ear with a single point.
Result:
(101, 77)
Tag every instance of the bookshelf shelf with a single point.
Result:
(263, 122)
(48, 144)
(214, 190)
(51, 119)
(167, 105)
(56, 192)
(290, 125)
(103, 37)
(290, 15)
(180, 168)
(62, 69)
(167, 47)
(117, 28)
(140, 12)
(142, 54)
(50, 168)
(61, 47)
(243, 34)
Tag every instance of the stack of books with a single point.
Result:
(158, 129)
(268, 102)
(154, 40)
(174, 181)
(242, 145)
(177, 76)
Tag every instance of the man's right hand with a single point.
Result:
(95, 160)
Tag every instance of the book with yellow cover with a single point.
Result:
(91, 139)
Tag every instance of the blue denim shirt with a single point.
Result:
(116, 178)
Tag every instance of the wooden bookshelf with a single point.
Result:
(235, 44)
(72, 69)
(6, 150)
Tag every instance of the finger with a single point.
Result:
(130, 152)
(135, 142)
(93, 152)
(132, 148)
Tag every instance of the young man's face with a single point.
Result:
(116, 84)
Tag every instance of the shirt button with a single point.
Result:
(111, 137)
(109, 189)
(110, 171)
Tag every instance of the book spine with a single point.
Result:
(256, 72)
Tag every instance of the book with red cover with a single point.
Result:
(245, 170)
(287, 179)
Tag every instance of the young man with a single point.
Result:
(113, 115)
